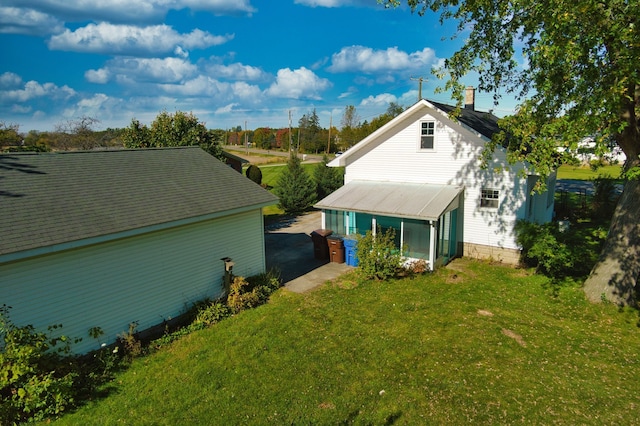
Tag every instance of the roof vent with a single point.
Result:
(470, 98)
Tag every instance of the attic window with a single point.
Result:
(489, 198)
(426, 134)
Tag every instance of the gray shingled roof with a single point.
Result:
(57, 198)
(484, 123)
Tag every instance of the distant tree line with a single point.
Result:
(180, 128)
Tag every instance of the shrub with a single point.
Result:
(254, 173)
(378, 256)
(210, 314)
(559, 255)
(252, 292)
(36, 376)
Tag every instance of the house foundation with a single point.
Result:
(497, 254)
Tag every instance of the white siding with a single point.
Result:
(147, 278)
(455, 160)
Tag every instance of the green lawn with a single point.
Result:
(472, 343)
(586, 173)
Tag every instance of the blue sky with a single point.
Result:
(227, 61)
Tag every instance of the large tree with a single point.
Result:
(179, 129)
(573, 67)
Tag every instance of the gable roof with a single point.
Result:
(483, 123)
(61, 198)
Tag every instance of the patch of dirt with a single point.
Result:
(518, 338)
(484, 313)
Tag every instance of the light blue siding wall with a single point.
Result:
(148, 278)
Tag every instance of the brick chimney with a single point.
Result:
(470, 98)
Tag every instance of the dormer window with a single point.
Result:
(427, 134)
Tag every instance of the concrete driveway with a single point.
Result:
(289, 248)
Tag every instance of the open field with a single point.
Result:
(471, 343)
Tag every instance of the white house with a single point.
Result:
(108, 238)
(420, 174)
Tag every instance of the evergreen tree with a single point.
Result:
(295, 188)
(327, 179)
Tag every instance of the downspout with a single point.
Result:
(432, 244)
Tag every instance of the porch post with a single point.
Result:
(323, 220)
(432, 244)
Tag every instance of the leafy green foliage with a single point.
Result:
(179, 129)
(254, 173)
(327, 179)
(210, 314)
(36, 380)
(557, 254)
(378, 256)
(295, 188)
(254, 291)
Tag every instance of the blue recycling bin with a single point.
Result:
(350, 251)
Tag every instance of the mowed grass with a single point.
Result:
(587, 173)
(471, 343)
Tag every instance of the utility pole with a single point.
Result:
(329, 141)
(246, 137)
(420, 80)
(290, 139)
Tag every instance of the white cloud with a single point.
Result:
(371, 61)
(101, 76)
(34, 90)
(129, 10)
(203, 86)
(379, 100)
(143, 70)
(107, 38)
(10, 80)
(14, 20)
(297, 84)
(226, 109)
(235, 71)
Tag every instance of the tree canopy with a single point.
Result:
(573, 67)
(179, 129)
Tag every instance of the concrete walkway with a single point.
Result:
(289, 248)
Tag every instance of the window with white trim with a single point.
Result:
(427, 130)
(489, 198)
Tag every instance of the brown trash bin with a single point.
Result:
(320, 244)
(336, 249)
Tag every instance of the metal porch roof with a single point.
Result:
(399, 199)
